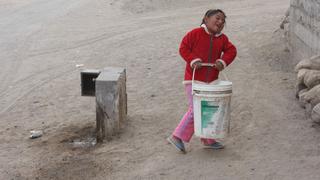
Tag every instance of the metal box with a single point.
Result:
(88, 81)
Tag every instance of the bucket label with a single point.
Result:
(210, 117)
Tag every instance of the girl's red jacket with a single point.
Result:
(195, 47)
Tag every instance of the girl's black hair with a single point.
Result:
(212, 12)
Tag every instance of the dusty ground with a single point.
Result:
(41, 42)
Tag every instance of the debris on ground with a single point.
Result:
(35, 134)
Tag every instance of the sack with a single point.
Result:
(300, 88)
(311, 63)
(311, 78)
(301, 75)
(311, 96)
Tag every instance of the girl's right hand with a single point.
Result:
(197, 65)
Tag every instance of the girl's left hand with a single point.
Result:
(219, 65)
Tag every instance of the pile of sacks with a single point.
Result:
(308, 86)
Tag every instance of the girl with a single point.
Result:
(205, 44)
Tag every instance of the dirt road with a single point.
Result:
(42, 41)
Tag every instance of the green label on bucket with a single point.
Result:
(208, 109)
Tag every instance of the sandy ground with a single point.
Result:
(42, 41)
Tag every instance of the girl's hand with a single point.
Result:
(196, 65)
(219, 65)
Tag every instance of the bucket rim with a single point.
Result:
(216, 86)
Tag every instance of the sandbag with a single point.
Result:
(315, 114)
(311, 78)
(311, 96)
(300, 88)
(311, 63)
(301, 75)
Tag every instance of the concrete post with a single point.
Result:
(111, 102)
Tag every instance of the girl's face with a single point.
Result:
(215, 23)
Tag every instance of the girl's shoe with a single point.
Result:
(215, 145)
(177, 143)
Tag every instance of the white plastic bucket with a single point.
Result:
(211, 104)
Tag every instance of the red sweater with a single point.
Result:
(195, 47)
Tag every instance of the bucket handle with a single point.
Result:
(207, 65)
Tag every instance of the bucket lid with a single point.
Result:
(217, 85)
